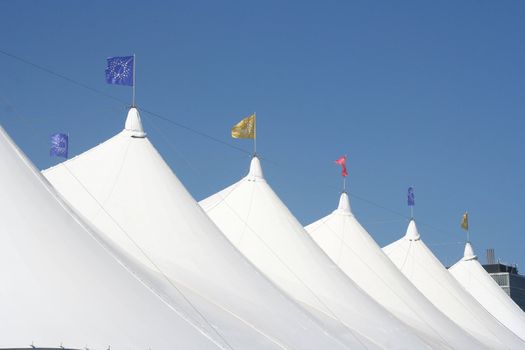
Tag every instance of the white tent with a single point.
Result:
(263, 229)
(473, 277)
(62, 285)
(125, 189)
(350, 246)
(423, 269)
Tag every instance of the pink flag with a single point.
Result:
(342, 162)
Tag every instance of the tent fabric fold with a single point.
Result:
(352, 248)
(473, 277)
(255, 220)
(124, 188)
(423, 269)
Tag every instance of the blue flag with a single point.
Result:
(120, 70)
(411, 197)
(59, 145)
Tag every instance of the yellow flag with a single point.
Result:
(245, 129)
(464, 221)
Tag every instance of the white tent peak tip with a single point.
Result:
(134, 123)
(469, 253)
(344, 204)
(255, 168)
(412, 233)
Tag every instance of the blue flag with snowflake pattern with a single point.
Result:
(120, 70)
(59, 145)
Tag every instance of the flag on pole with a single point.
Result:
(464, 221)
(411, 198)
(245, 129)
(342, 162)
(59, 145)
(120, 70)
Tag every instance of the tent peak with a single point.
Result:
(469, 253)
(133, 123)
(344, 204)
(412, 234)
(255, 168)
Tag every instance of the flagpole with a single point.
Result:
(468, 230)
(344, 177)
(134, 64)
(254, 133)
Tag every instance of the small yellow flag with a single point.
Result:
(464, 221)
(245, 129)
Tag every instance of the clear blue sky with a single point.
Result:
(422, 93)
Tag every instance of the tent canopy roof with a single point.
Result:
(425, 271)
(126, 190)
(259, 224)
(473, 277)
(351, 247)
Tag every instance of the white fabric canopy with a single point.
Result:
(125, 189)
(473, 277)
(351, 247)
(259, 224)
(61, 284)
(423, 269)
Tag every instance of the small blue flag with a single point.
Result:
(59, 145)
(120, 70)
(411, 197)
